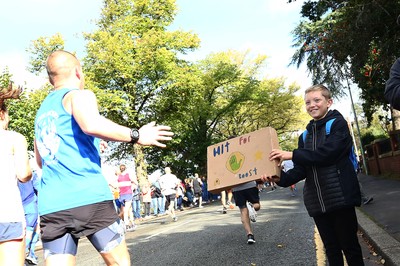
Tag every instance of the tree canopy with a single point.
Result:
(355, 40)
(132, 54)
(223, 96)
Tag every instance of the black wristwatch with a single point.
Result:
(134, 135)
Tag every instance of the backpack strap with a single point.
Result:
(328, 126)
(327, 129)
(304, 135)
(352, 156)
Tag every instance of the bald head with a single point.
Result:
(63, 67)
(167, 170)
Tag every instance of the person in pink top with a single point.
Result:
(125, 183)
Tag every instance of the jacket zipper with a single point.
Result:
(314, 170)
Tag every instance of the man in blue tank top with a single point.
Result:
(74, 198)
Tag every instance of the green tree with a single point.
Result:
(22, 111)
(378, 128)
(197, 103)
(5, 77)
(272, 105)
(222, 96)
(132, 54)
(349, 39)
(40, 49)
(109, 102)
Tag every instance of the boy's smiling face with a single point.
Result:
(317, 105)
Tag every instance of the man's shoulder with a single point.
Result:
(82, 94)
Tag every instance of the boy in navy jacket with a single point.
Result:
(331, 189)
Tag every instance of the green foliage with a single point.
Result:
(23, 111)
(132, 58)
(289, 142)
(326, 64)
(271, 105)
(5, 77)
(350, 39)
(218, 97)
(369, 137)
(378, 128)
(40, 50)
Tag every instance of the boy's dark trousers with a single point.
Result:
(338, 231)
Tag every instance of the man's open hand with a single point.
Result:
(151, 135)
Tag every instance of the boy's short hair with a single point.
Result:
(319, 87)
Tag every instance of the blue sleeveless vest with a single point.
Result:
(71, 164)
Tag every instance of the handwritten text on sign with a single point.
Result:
(241, 159)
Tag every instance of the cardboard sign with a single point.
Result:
(241, 159)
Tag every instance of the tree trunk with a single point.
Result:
(141, 169)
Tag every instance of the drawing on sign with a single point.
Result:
(235, 162)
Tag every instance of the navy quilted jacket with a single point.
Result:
(323, 161)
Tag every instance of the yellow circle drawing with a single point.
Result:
(235, 162)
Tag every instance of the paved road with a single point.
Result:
(285, 235)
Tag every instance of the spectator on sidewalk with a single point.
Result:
(136, 203)
(197, 189)
(331, 189)
(180, 192)
(161, 198)
(205, 194)
(156, 199)
(146, 196)
(189, 192)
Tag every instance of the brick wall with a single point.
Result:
(387, 163)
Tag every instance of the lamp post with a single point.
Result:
(358, 128)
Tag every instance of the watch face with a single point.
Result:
(135, 133)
